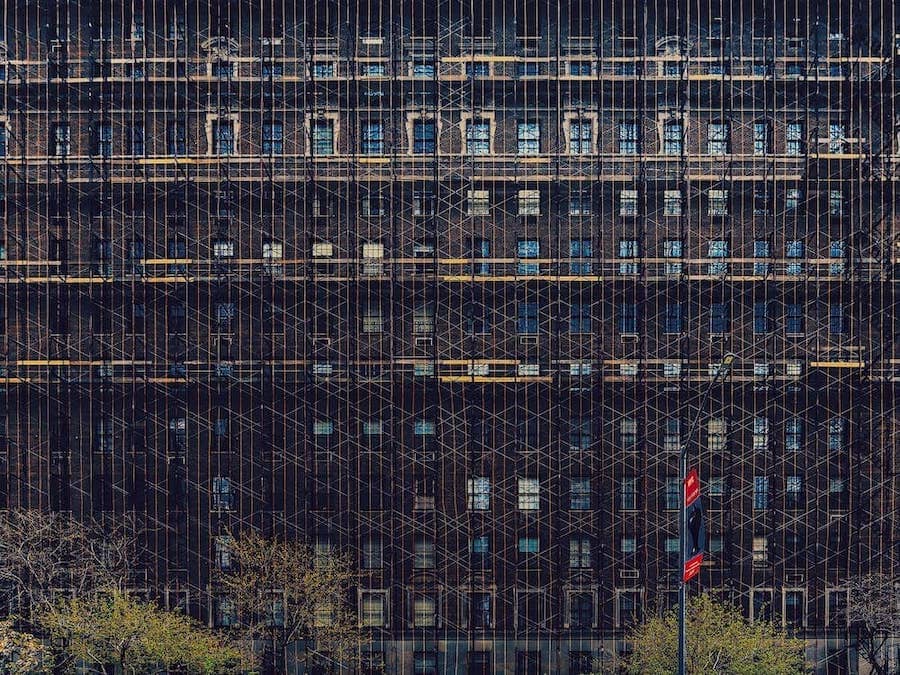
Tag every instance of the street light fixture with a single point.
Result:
(721, 372)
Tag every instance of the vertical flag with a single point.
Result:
(694, 528)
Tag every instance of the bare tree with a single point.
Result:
(873, 611)
(45, 554)
(284, 592)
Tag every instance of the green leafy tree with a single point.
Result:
(115, 632)
(286, 592)
(719, 640)
(20, 653)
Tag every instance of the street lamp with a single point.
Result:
(724, 367)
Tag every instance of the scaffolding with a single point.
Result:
(439, 282)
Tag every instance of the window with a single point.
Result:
(423, 69)
(672, 323)
(628, 494)
(371, 205)
(837, 494)
(795, 140)
(718, 318)
(225, 612)
(528, 69)
(136, 143)
(836, 138)
(794, 319)
(580, 318)
(673, 248)
(762, 199)
(836, 432)
(372, 553)
(629, 138)
(322, 137)
(222, 551)
(837, 319)
(673, 138)
(423, 558)
(793, 492)
(479, 610)
(581, 433)
(673, 493)
(527, 249)
(628, 607)
(479, 552)
(372, 138)
(176, 139)
(580, 204)
(579, 494)
(760, 492)
(792, 198)
(373, 610)
(760, 545)
(479, 203)
(628, 433)
(272, 137)
(672, 203)
(628, 249)
(718, 203)
(793, 434)
(762, 317)
(835, 203)
(760, 433)
(478, 137)
(222, 496)
(424, 612)
(581, 248)
(628, 319)
(104, 139)
(717, 434)
(529, 494)
(481, 249)
(762, 138)
(579, 553)
(761, 249)
(718, 486)
(794, 608)
(372, 320)
(529, 202)
(478, 69)
(62, 140)
(478, 494)
(718, 137)
(580, 140)
(762, 599)
(529, 545)
(223, 137)
(528, 138)
(223, 248)
(837, 250)
(837, 607)
(272, 70)
(628, 203)
(579, 68)
(794, 249)
(718, 248)
(323, 69)
(135, 256)
(672, 435)
(581, 615)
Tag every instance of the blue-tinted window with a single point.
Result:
(527, 323)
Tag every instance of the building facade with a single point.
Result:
(442, 284)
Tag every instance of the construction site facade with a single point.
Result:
(442, 284)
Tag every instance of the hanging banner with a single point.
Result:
(695, 529)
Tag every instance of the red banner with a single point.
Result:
(692, 567)
(691, 488)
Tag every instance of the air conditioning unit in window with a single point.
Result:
(629, 574)
(795, 579)
(528, 339)
(629, 337)
(321, 340)
(423, 341)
